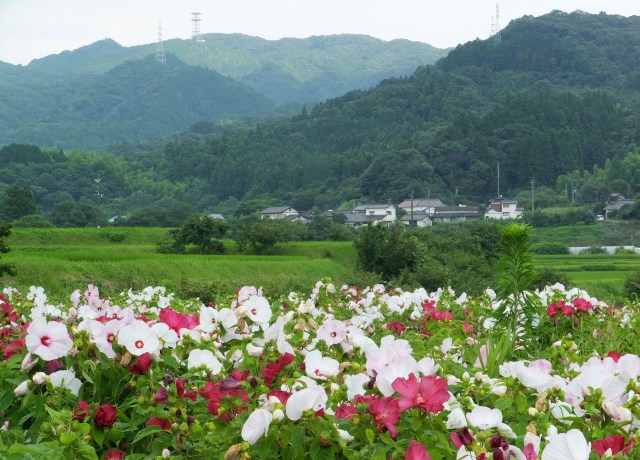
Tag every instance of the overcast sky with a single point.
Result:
(31, 29)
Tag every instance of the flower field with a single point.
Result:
(334, 373)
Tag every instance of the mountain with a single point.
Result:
(63, 99)
(134, 100)
(533, 103)
(313, 68)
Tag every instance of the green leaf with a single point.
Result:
(148, 431)
(503, 403)
(297, 438)
(318, 452)
(98, 436)
(68, 438)
(369, 434)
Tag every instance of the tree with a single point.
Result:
(18, 202)
(5, 231)
(202, 231)
(74, 214)
(265, 234)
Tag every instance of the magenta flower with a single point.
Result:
(428, 394)
(416, 451)
(386, 412)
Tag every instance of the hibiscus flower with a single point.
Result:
(428, 394)
(49, 340)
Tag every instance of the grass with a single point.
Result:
(116, 259)
(608, 233)
(63, 260)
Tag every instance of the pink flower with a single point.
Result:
(49, 340)
(177, 321)
(386, 412)
(332, 331)
(428, 394)
(529, 451)
(416, 451)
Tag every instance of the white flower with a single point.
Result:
(256, 426)
(199, 358)
(258, 309)
(66, 379)
(355, 385)
(49, 340)
(254, 350)
(320, 367)
(314, 398)
(571, 445)
(456, 419)
(332, 331)
(484, 418)
(139, 338)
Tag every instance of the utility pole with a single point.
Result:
(533, 193)
(98, 197)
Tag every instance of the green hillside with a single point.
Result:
(442, 131)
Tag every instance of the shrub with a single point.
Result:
(33, 221)
(550, 248)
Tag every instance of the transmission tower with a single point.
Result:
(497, 36)
(195, 18)
(160, 57)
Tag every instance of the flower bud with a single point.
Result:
(278, 414)
(39, 378)
(21, 389)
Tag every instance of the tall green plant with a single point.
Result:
(518, 307)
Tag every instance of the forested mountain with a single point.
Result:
(105, 93)
(135, 100)
(289, 70)
(567, 103)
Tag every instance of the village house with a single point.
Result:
(279, 212)
(376, 214)
(421, 205)
(503, 208)
(621, 203)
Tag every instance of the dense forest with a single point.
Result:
(556, 101)
(105, 93)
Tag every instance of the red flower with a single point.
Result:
(582, 304)
(461, 438)
(142, 364)
(614, 442)
(13, 348)
(614, 355)
(105, 415)
(177, 321)
(163, 423)
(274, 367)
(416, 451)
(468, 328)
(553, 310)
(81, 412)
(386, 412)
(396, 326)
(345, 410)
(283, 396)
(161, 396)
(429, 393)
(114, 454)
(567, 310)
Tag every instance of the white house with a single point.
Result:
(417, 220)
(387, 212)
(503, 208)
(421, 205)
(279, 212)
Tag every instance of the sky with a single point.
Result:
(31, 29)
